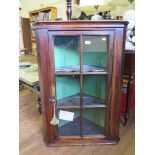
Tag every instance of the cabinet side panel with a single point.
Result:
(43, 63)
(116, 82)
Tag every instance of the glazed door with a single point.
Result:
(80, 73)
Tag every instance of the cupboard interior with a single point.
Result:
(67, 54)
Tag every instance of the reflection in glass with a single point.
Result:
(66, 52)
(95, 51)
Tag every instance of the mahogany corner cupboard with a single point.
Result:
(80, 71)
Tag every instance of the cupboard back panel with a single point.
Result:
(66, 51)
(68, 85)
(98, 83)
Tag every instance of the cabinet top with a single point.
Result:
(81, 24)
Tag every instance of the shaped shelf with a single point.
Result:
(73, 102)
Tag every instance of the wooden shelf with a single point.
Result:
(36, 15)
(75, 70)
(95, 73)
(67, 73)
(68, 107)
(83, 73)
(129, 52)
(73, 102)
(84, 107)
(95, 106)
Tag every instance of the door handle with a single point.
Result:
(52, 100)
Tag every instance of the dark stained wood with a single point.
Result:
(83, 142)
(44, 64)
(116, 32)
(25, 25)
(81, 86)
(52, 83)
(81, 24)
(129, 62)
(130, 89)
(109, 80)
(69, 9)
(116, 84)
(129, 70)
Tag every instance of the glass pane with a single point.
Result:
(94, 89)
(66, 53)
(93, 121)
(69, 128)
(68, 90)
(95, 52)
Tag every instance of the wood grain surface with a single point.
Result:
(45, 34)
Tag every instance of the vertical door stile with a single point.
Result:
(81, 87)
(110, 43)
(52, 82)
